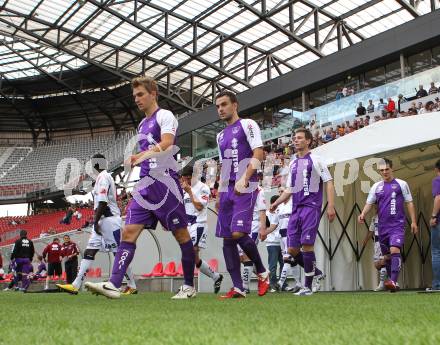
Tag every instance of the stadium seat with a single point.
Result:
(170, 269)
(213, 263)
(180, 270)
(157, 271)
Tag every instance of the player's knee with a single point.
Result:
(293, 251)
(308, 248)
(237, 235)
(182, 235)
(395, 250)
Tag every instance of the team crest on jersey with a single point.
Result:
(239, 222)
(394, 186)
(235, 130)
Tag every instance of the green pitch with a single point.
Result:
(152, 318)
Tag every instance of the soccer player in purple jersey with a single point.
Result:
(241, 152)
(390, 195)
(157, 196)
(435, 230)
(307, 176)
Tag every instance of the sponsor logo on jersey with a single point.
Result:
(175, 221)
(239, 222)
(251, 130)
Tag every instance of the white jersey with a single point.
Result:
(285, 210)
(105, 190)
(201, 193)
(274, 237)
(260, 205)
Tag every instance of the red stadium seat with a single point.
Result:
(213, 263)
(170, 269)
(157, 271)
(180, 270)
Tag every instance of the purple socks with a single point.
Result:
(299, 259)
(309, 268)
(250, 248)
(188, 262)
(232, 260)
(395, 266)
(123, 258)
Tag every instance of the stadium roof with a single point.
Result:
(192, 47)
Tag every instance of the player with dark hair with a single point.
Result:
(106, 227)
(307, 178)
(196, 198)
(390, 195)
(157, 196)
(241, 152)
(53, 252)
(23, 253)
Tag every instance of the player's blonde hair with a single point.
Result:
(148, 83)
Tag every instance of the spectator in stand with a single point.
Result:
(77, 214)
(376, 118)
(370, 108)
(419, 107)
(433, 89)
(381, 106)
(340, 131)
(328, 135)
(53, 252)
(437, 104)
(23, 254)
(344, 91)
(367, 120)
(391, 107)
(70, 252)
(68, 217)
(339, 94)
(422, 92)
(412, 110)
(400, 101)
(429, 108)
(360, 111)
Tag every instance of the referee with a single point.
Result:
(70, 252)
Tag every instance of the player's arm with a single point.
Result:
(330, 188)
(32, 249)
(367, 237)
(435, 211)
(410, 206)
(253, 136)
(99, 212)
(168, 127)
(44, 254)
(371, 200)
(282, 198)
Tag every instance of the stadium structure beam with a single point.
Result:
(59, 81)
(337, 64)
(409, 7)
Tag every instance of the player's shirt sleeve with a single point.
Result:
(102, 188)
(167, 122)
(289, 175)
(371, 199)
(261, 201)
(435, 187)
(321, 168)
(218, 146)
(252, 132)
(405, 190)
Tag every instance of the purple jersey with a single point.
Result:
(236, 144)
(149, 132)
(436, 192)
(390, 198)
(305, 180)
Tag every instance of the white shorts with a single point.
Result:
(377, 252)
(197, 231)
(110, 228)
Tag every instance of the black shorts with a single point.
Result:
(54, 269)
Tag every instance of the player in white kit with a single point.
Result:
(290, 267)
(378, 258)
(196, 198)
(257, 227)
(106, 232)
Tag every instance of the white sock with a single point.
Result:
(382, 275)
(284, 273)
(83, 268)
(46, 286)
(130, 278)
(246, 276)
(207, 271)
